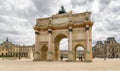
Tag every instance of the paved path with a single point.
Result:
(29, 65)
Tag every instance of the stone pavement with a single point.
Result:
(29, 65)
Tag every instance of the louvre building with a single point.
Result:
(109, 49)
(8, 49)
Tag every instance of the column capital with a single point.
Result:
(37, 33)
(36, 27)
(70, 29)
(50, 31)
(87, 27)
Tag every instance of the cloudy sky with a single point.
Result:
(17, 17)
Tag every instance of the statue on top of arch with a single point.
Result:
(62, 10)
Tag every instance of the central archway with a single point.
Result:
(57, 40)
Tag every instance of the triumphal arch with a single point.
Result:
(49, 31)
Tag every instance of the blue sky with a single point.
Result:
(17, 17)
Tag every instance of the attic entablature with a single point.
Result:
(65, 19)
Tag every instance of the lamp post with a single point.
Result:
(19, 54)
(105, 52)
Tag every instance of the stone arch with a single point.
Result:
(57, 40)
(79, 45)
(60, 36)
(49, 31)
(44, 50)
(75, 50)
(60, 33)
(6, 54)
(113, 55)
(2, 54)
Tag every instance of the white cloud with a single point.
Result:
(64, 44)
(95, 7)
(17, 17)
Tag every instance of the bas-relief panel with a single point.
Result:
(80, 35)
(60, 21)
(43, 36)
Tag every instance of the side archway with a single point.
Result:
(79, 52)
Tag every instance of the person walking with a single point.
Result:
(61, 57)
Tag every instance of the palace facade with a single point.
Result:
(8, 49)
(109, 49)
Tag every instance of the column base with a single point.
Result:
(50, 56)
(71, 57)
(36, 56)
(87, 60)
(88, 56)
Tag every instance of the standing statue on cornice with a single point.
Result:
(62, 10)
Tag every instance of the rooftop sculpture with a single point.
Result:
(62, 10)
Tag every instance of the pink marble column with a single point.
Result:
(49, 56)
(88, 55)
(70, 45)
(49, 39)
(70, 34)
(36, 40)
(87, 38)
(36, 54)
